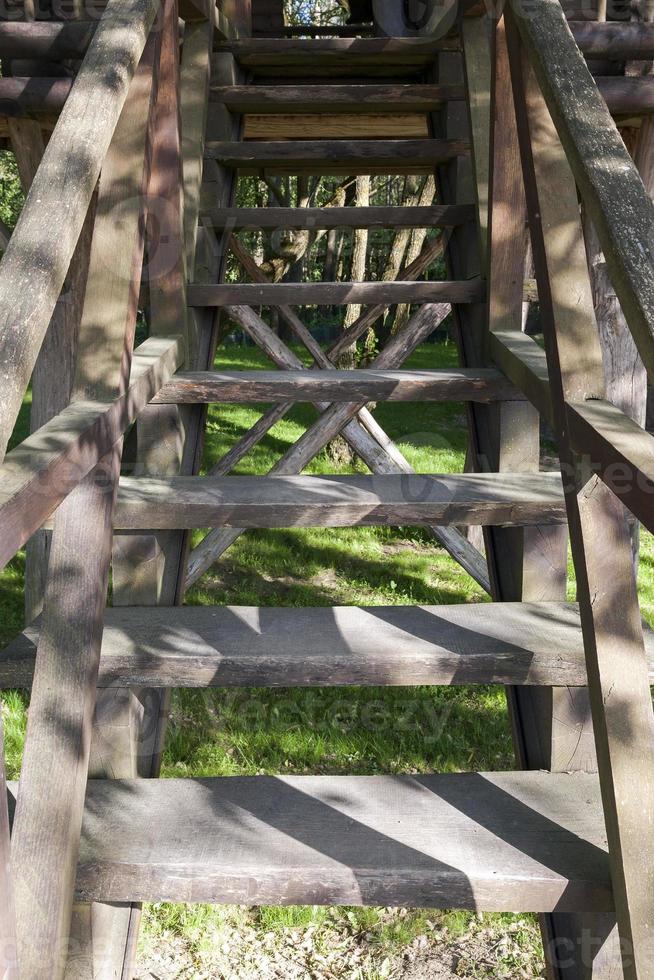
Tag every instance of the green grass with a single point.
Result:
(224, 732)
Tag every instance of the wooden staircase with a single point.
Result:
(551, 837)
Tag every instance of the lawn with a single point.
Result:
(224, 732)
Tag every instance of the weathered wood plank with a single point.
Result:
(54, 771)
(334, 98)
(37, 475)
(48, 40)
(613, 192)
(537, 643)
(333, 293)
(627, 95)
(336, 156)
(33, 97)
(489, 841)
(438, 216)
(332, 385)
(282, 53)
(614, 41)
(62, 190)
(337, 501)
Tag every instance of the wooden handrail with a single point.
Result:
(35, 263)
(39, 473)
(606, 176)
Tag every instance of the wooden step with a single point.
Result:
(245, 646)
(616, 41)
(336, 156)
(335, 98)
(44, 39)
(340, 501)
(334, 293)
(33, 96)
(627, 95)
(438, 216)
(496, 842)
(371, 57)
(446, 384)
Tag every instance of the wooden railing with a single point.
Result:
(564, 143)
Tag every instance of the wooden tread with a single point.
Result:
(335, 98)
(246, 646)
(331, 156)
(446, 384)
(386, 57)
(340, 501)
(495, 842)
(439, 215)
(616, 41)
(334, 293)
(43, 39)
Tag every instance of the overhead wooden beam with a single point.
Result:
(33, 97)
(56, 200)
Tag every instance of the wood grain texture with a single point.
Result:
(336, 156)
(283, 54)
(333, 293)
(492, 842)
(338, 501)
(627, 95)
(331, 385)
(321, 126)
(62, 189)
(38, 474)
(334, 98)
(610, 185)
(538, 643)
(236, 219)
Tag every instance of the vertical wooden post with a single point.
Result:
(551, 726)
(618, 684)
(8, 950)
(55, 764)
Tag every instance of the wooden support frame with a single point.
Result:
(55, 763)
(617, 683)
(550, 727)
(33, 253)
